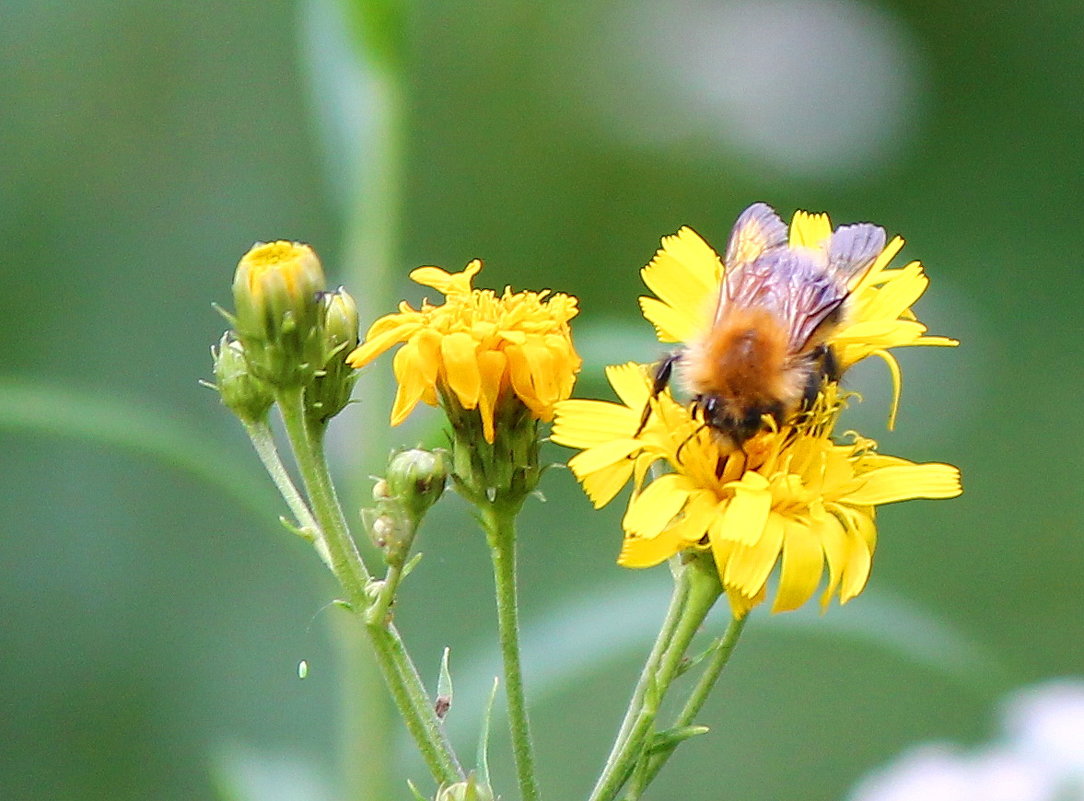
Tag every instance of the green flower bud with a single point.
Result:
(242, 393)
(331, 386)
(469, 790)
(276, 292)
(340, 321)
(416, 479)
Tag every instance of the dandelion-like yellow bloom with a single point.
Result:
(477, 349)
(686, 275)
(793, 496)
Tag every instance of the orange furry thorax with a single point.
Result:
(744, 359)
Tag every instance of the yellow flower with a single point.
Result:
(477, 349)
(793, 496)
(686, 275)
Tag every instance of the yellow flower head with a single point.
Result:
(277, 290)
(793, 496)
(477, 349)
(686, 276)
(275, 279)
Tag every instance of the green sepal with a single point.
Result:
(670, 738)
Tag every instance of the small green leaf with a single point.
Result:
(414, 790)
(411, 564)
(483, 737)
(444, 686)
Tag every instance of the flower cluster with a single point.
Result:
(792, 495)
(477, 350)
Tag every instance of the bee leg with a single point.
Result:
(677, 454)
(830, 364)
(827, 369)
(663, 372)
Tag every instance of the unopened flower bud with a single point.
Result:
(276, 294)
(330, 389)
(416, 480)
(340, 321)
(470, 790)
(242, 393)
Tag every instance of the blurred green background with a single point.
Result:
(153, 611)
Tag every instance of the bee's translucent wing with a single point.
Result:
(853, 249)
(794, 285)
(757, 230)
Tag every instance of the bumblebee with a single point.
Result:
(767, 352)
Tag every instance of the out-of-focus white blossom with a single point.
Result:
(1038, 756)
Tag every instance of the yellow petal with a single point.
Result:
(492, 366)
(702, 508)
(834, 541)
(544, 373)
(670, 324)
(373, 347)
(856, 570)
(904, 482)
(630, 383)
(685, 276)
(459, 355)
(809, 230)
(584, 423)
(602, 485)
(684, 271)
(740, 605)
(602, 456)
(412, 381)
(745, 515)
(653, 509)
(803, 563)
(749, 566)
(648, 552)
(447, 283)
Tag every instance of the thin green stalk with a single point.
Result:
(378, 610)
(651, 666)
(704, 590)
(414, 704)
(399, 672)
(346, 562)
(263, 442)
(500, 527)
(722, 648)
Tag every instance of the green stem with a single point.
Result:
(499, 523)
(722, 648)
(399, 672)
(703, 591)
(264, 443)
(414, 704)
(651, 667)
(307, 445)
(381, 605)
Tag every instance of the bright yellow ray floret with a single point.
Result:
(793, 497)
(477, 349)
(686, 273)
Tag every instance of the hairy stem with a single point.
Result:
(499, 524)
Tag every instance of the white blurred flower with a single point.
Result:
(1038, 757)
(1045, 724)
